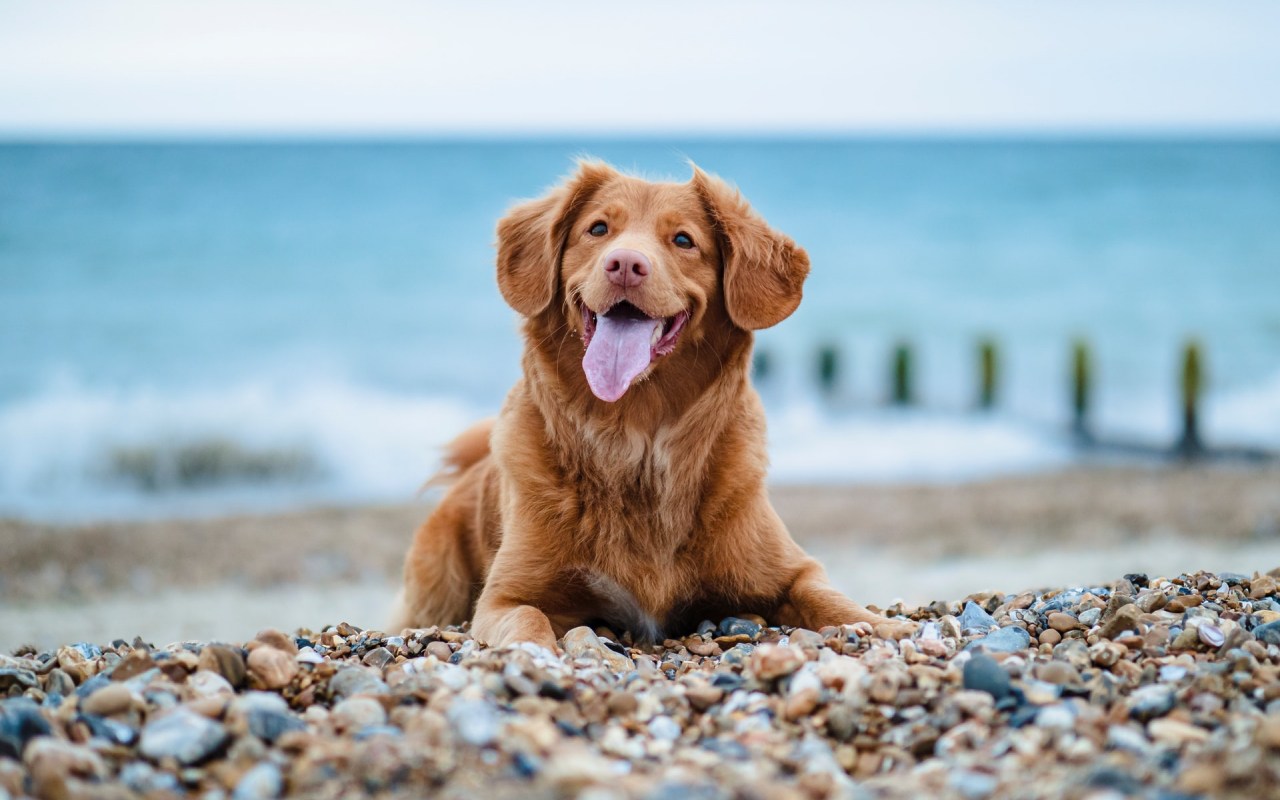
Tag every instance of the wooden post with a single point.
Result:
(901, 390)
(1190, 444)
(1081, 389)
(828, 369)
(987, 374)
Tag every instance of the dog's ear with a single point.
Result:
(764, 270)
(532, 236)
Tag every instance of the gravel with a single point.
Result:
(1146, 687)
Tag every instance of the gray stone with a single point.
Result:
(88, 650)
(1058, 717)
(1149, 702)
(20, 722)
(267, 715)
(664, 728)
(1172, 673)
(735, 626)
(1011, 639)
(1127, 737)
(972, 785)
(182, 735)
(355, 680)
(738, 654)
(110, 730)
(14, 676)
(974, 618)
(358, 713)
(262, 782)
(1268, 633)
(144, 779)
(59, 682)
(475, 721)
(982, 673)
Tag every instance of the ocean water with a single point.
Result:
(191, 328)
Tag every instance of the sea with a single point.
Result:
(209, 327)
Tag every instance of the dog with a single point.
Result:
(623, 480)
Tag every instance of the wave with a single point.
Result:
(72, 452)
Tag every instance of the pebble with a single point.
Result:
(261, 782)
(582, 642)
(204, 683)
(475, 721)
(1057, 717)
(266, 715)
(1149, 702)
(183, 736)
(731, 627)
(1124, 619)
(52, 761)
(1010, 639)
(114, 698)
(226, 661)
(1063, 622)
(664, 728)
(21, 679)
(278, 640)
(982, 673)
(1268, 633)
(770, 662)
(271, 668)
(356, 713)
(354, 680)
(1175, 732)
(20, 722)
(974, 618)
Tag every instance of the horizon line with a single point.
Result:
(318, 136)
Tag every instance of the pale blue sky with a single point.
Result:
(78, 67)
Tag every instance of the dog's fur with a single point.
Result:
(568, 509)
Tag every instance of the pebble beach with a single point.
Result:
(1159, 687)
(1048, 661)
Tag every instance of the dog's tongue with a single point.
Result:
(619, 351)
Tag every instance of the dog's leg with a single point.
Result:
(811, 602)
(440, 580)
(514, 605)
(498, 624)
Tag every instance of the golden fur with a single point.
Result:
(659, 495)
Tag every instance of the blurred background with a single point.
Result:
(246, 282)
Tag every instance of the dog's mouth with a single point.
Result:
(621, 344)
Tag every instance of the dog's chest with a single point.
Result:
(632, 495)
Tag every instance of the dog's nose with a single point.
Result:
(626, 268)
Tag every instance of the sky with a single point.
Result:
(385, 67)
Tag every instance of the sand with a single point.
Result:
(226, 578)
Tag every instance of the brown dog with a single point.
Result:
(626, 484)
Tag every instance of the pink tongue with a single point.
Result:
(619, 351)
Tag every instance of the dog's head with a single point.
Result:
(642, 272)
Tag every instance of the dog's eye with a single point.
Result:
(598, 229)
(683, 241)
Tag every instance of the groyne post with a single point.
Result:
(987, 365)
(828, 369)
(1192, 386)
(901, 393)
(1081, 389)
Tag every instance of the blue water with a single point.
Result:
(314, 318)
